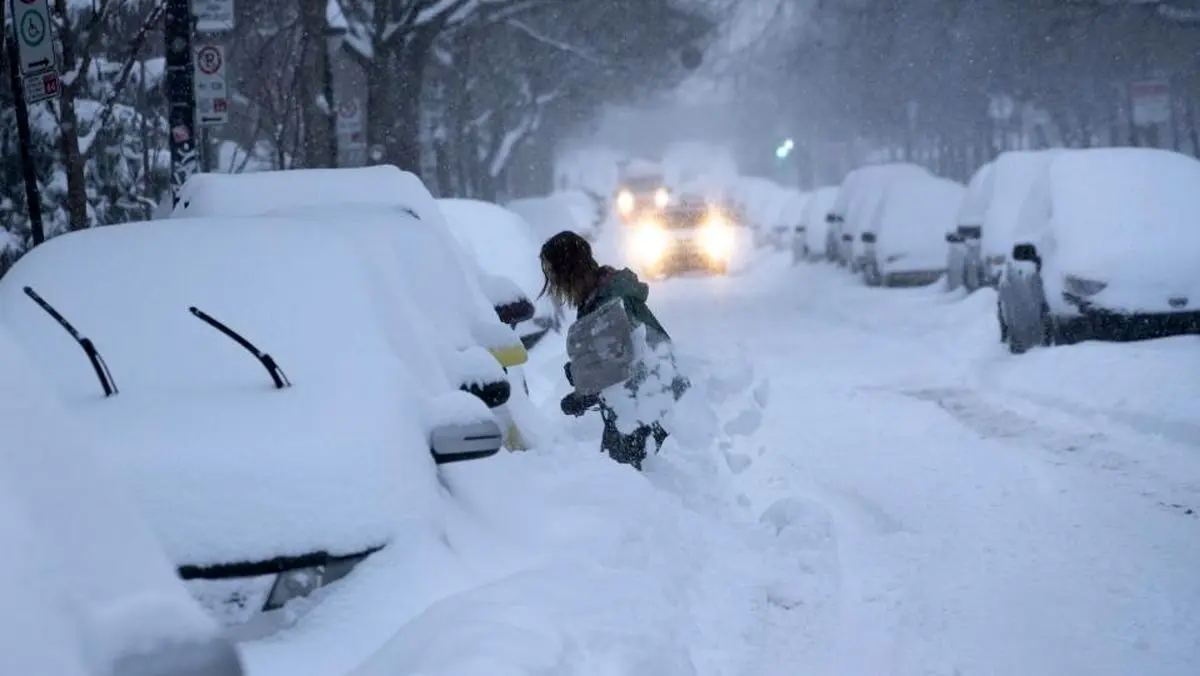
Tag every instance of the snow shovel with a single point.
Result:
(600, 347)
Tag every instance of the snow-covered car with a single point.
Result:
(787, 220)
(963, 264)
(503, 244)
(1107, 246)
(759, 201)
(687, 235)
(857, 199)
(87, 589)
(419, 253)
(1012, 176)
(809, 240)
(275, 406)
(905, 243)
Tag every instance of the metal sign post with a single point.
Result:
(181, 97)
(33, 69)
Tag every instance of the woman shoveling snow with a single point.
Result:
(635, 385)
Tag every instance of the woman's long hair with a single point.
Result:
(570, 269)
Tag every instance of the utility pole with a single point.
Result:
(33, 69)
(181, 94)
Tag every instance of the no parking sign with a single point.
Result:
(212, 96)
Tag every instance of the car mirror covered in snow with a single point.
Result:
(1025, 252)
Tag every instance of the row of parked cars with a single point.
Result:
(1079, 244)
(277, 370)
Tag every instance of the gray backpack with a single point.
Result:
(600, 347)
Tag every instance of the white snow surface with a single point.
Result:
(912, 222)
(868, 179)
(554, 213)
(1119, 215)
(85, 580)
(500, 240)
(227, 468)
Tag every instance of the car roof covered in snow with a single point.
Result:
(1118, 213)
(872, 177)
(229, 468)
(500, 239)
(915, 217)
(975, 201)
(84, 578)
(447, 282)
(1013, 176)
(548, 215)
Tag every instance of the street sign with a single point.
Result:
(350, 130)
(31, 22)
(213, 16)
(212, 94)
(1151, 102)
(40, 86)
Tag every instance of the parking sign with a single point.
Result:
(212, 93)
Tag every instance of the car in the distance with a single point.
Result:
(904, 245)
(692, 234)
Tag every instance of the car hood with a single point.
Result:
(228, 476)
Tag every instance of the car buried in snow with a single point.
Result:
(277, 412)
(1106, 247)
(87, 588)
(692, 234)
(416, 261)
(904, 244)
(855, 206)
(641, 195)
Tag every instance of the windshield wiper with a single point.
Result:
(277, 376)
(89, 348)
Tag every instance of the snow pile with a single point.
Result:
(912, 223)
(229, 468)
(1119, 213)
(558, 560)
(86, 581)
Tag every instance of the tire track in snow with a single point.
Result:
(1093, 449)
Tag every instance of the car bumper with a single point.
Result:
(1131, 326)
(688, 257)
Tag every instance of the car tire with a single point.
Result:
(1003, 325)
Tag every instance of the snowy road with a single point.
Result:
(946, 508)
(864, 483)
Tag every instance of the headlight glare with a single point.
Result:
(717, 238)
(650, 241)
(662, 198)
(625, 202)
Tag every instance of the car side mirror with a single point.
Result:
(460, 442)
(1026, 252)
(520, 310)
(953, 238)
(494, 394)
(868, 237)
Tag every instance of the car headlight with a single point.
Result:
(625, 202)
(717, 238)
(650, 241)
(662, 198)
(1081, 287)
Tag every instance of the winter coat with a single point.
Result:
(659, 376)
(633, 292)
